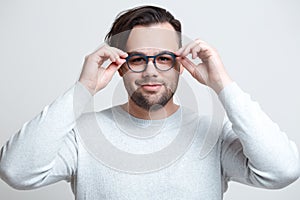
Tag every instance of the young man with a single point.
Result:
(144, 46)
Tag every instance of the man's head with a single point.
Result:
(148, 31)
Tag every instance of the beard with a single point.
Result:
(152, 101)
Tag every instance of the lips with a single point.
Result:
(151, 87)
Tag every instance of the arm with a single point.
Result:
(254, 150)
(44, 151)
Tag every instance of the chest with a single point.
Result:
(189, 177)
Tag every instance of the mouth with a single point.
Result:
(151, 87)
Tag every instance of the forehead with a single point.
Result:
(148, 51)
(160, 36)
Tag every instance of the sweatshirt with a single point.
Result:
(111, 155)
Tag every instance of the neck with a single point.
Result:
(156, 114)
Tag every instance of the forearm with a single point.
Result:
(270, 153)
(33, 150)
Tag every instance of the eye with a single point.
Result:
(137, 60)
(164, 59)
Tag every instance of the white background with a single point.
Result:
(43, 44)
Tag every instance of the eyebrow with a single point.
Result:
(138, 52)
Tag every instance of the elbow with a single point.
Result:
(277, 178)
(289, 175)
(22, 179)
(285, 177)
(285, 173)
(12, 177)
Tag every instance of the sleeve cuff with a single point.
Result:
(230, 92)
(82, 99)
(231, 96)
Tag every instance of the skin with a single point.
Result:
(152, 83)
(162, 36)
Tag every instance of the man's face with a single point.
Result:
(152, 86)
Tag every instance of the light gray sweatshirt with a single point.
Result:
(126, 161)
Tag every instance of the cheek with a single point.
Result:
(172, 79)
(129, 81)
(173, 76)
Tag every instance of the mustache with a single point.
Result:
(148, 80)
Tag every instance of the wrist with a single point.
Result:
(219, 85)
(88, 86)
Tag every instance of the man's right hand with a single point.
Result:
(95, 77)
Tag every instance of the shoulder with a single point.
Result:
(106, 114)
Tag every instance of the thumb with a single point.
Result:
(105, 75)
(197, 71)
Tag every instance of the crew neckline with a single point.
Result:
(146, 122)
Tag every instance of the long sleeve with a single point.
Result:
(254, 150)
(43, 151)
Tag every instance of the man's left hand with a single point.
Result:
(211, 71)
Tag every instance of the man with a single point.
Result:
(148, 54)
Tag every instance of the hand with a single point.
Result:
(95, 77)
(211, 71)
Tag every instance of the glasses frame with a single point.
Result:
(147, 60)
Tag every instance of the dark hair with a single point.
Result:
(142, 15)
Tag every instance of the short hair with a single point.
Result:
(142, 15)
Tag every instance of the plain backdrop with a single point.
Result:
(43, 45)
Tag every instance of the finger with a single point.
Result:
(111, 70)
(103, 53)
(201, 50)
(121, 57)
(189, 65)
(114, 55)
(121, 53)
(198, 40)
(194, 70)
(206, 52)
(120, 61)
(180, 50)
(188, 48)
(195, 51)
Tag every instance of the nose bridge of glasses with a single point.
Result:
(152, 58)
(158, 64)
(148, 66)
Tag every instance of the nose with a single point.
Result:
(150, 69)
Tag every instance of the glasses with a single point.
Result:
(138, 62)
